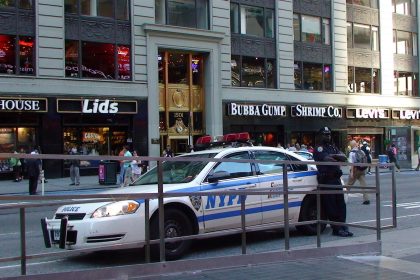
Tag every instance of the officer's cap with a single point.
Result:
(325, 130)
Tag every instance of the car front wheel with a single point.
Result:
(176, 224)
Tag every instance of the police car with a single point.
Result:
(122, 222)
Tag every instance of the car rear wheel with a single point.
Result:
(308, 212)
(176, 224)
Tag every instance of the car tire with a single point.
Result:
(308, 213)
(176, 224)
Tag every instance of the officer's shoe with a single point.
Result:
(343, 233)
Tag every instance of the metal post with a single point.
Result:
(378, 205)
(161, 213)
(286, 208)
(318, 217)
(147, 230)
(394, 199)
(22, 242)
(243, 224)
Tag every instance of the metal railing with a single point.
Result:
(52, 200)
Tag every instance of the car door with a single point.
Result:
(224, 211)
(271, 176)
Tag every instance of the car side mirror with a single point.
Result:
(219, 175)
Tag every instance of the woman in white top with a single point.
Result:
(135, 168)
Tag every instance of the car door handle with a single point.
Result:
(250, 186)
(297, 180)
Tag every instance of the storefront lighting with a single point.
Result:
(26, 44)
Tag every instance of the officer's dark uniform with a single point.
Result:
(333, 204)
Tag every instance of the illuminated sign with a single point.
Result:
(265, 110)
(368, 113)
(316, 111)
(10, 104)
(406, 114)
(96, 106)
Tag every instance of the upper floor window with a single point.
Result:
(118, 9)
(405, 7)
(251, 20)
(406, 83)
(405, 42)
(21, 4)
(366, 3)
(312, 76)
(186, 13)
(253, 71)
(362, 36)
(311, 29)
(97, 60)
(363, 80)
(17, 55)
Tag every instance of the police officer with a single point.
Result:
(333, 204)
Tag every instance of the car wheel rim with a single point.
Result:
(173, 229)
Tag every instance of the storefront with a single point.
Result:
(20, 121)
(101, 127)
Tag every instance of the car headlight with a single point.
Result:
(116, 208)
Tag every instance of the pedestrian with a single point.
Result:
(366, 149)
(33, 169)
(16, 165)
(357, 173)
(291, 148)
(297, 146)
(74, 168)
(392, 156)
(168, 152)
(303, 148)
(418, 156)
(333, 204)
(22, 162)
(121, 154)
(126, 168)
(136, 169)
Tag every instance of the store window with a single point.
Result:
(405, 43)
(363, 80)
(20, 139)
(253, 71)
(94, 141)
(405, 7)
(405, 83)
(17, 55)
(118, 9)
(21, 4)
(366, 3)
(187, 13)
(98, 60)
(312, 76)
(311, 29)
(178, 68)
(252, 20)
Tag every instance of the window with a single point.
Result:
(312, 76)
(405, 83)
(366, 3)
(235, 169)
(22, 4)
(98, 60)
(249, 71)
(363, 80)
(186, 13)
(405, 43)
(311, 29)
(17, 55)
(362, 36)
(253, 21)
(405, 7)
(270, 168)
(118, 9)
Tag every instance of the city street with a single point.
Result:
(408, 212)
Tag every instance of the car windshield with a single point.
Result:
(175, 172)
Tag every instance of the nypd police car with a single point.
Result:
(122, 222)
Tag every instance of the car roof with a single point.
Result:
(220, 152)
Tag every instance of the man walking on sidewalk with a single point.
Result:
(357, 172)
(418, 156)
(74, 168)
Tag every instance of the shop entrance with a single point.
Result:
(181, 99)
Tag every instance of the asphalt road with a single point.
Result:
(408, 212)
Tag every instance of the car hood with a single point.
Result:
(89, 207)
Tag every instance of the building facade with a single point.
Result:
(148, 73)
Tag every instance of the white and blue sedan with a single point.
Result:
(122, 222)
